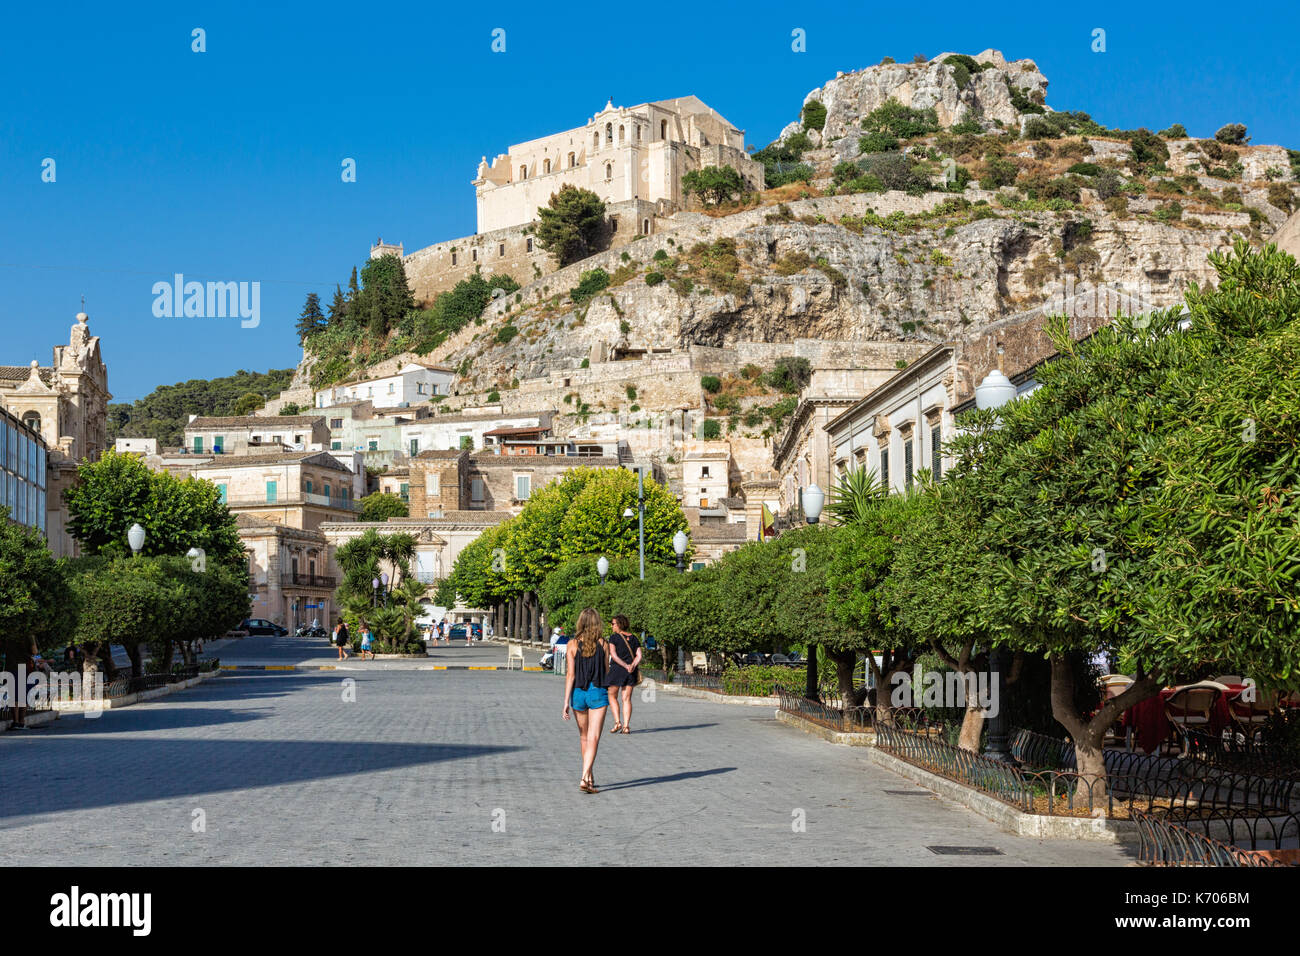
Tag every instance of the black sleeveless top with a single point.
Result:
(589, 671)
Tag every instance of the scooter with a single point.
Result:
(547, 663)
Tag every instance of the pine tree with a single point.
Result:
(353, 289)
(312, 320)
(338, 308)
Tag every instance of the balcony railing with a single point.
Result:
(308, 581)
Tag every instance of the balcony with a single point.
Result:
(427, 577)
(308, 581)
(295, 501)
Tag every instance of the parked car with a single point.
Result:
(258, 625)
(754, 657)
(458, 631)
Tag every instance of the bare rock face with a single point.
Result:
(1288, 237)
(986, 96)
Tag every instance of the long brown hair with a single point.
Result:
(590, 631)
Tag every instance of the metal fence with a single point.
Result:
(60, 683)
(829, 710)
(1133, 782)
(1168, 840)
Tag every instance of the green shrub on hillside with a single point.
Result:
(589, 283)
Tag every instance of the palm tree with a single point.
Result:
(857, 493)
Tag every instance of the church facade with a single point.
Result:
(66, 404)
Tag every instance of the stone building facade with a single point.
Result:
(288, 572)
(622, 153)
(66, 403)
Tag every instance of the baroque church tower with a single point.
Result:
(67, 403)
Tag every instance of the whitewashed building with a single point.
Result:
(412, 384)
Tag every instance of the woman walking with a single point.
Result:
(367, 640)
(584, 689)
(341, 639)
(624, 658)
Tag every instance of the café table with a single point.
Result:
(1152, 727)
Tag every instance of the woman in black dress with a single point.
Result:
(624, 673)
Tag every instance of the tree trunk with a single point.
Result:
(1088, 736)
(89, 655)
(810, 689)
(110, 666)
(169, 649)
(137, 663)
(972, 726)
(846, 663)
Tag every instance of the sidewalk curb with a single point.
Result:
(844, 738)
(351, 667)
(716, 697)
(114, 703)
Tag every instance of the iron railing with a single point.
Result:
(1165, 841)
(60, 690)
(828, 711)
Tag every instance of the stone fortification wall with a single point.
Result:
(514, 251)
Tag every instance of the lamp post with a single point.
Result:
(994, 392)
(602, 568)
(640, 517)
(374, 592)
(679, 546)
(135, 538)
(813, 500)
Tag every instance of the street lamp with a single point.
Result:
(602, 568)
(679, 546)
(135, 538)
(374, 592)
(994, 392)
(383, 578)
(640, 517)
(813, 500)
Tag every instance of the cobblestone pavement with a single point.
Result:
(461, 767)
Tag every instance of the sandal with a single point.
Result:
(626, 730)
(615, 729)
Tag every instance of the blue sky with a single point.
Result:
(225, 165)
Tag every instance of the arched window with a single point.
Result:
(645, 227)
(523, 172)
(609, 170)
(32, 420)
(573, 160)
(609, 133)
(663, 129)
(622, 130)
(595, 139)
(546, 165)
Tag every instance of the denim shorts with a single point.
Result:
(592, 698)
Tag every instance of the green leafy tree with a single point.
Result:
(1233, 133)
(118, 491)
(248, 403)
(572, 223)
(385, 297)
(36, 602)
(164, 412)
(713, 184)
(381, 506)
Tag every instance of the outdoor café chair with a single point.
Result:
(1192, 706)
(1114, 685)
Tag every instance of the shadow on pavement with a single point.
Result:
(79, 773)
(671, 778)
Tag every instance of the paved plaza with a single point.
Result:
(422, 764)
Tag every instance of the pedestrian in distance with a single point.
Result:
(624, 673)
(367, 641)
(585, 696)
(341, 638)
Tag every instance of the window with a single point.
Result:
(621, 134)
(609, 170)
(218, 443)
(663, 129)
(645, 227)
(433, 486)
(270, 492)
(501, 249)
(595, 139)
(609, 133)
(453, 258)
(327, 492)
(415, 447)
(336, 446)
(307, 486)
(573, 160)
(704, 472)
(546, 165)
(372, 445)
(936, 452)
(523, 172)
(704, 502)
(419, 388)
(221, 492)
(198, 444)
(404, 492)
(476, 491)
(297, 439)
(391, 388)
(638, 132)
(530, 243)
(907, 465)
(33, 421)
(884, 467)
(473, 254)
(523, 484)
(336, 423)
(370, 391)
